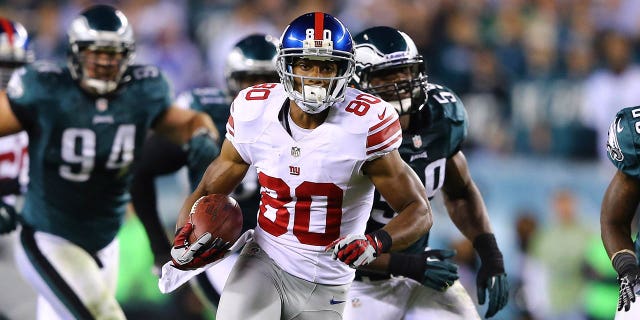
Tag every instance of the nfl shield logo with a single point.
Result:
(417, 141)
(295, 151)
(102, 104)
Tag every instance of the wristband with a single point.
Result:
(384, 238)
(623, 262)
(622, 251)
(407, 265)
(487, 247)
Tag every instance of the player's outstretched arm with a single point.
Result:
(466, 208)
(196, 132)
(618, 208)
(179, 125)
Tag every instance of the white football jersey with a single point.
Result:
(14, 159)
(312, 190)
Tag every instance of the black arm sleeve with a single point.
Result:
(159, 156)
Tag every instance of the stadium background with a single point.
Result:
(541, 80)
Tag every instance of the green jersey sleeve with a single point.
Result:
(151, 84)
(30, 88)
(623, 143)
(448, 111)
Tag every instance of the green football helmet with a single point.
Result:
(100, 30)
(251, 61)
(381, 51)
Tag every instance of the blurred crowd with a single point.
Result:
(540, 78)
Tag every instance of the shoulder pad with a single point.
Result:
(45, 67)
(355, 113)
(211, 96)
(246, 122)
(251, 102)
(363, 113)
(442, 101)
(140, 72)
(150, 80)
(36, 81)
(623, 143)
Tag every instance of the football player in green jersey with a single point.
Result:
(250, 62)
(619, 207)
(420, 283)
(14, 53)
(86, 122)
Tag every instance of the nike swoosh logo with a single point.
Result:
(336, 301)
(381, 116)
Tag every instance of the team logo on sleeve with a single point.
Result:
(613, 147)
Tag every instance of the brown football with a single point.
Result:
(218, 214)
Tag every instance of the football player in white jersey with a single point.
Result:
(319, 149)
(418, 283)
(14, 53)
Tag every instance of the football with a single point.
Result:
(218, 214)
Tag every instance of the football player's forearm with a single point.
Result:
(469, 213)
(379, 265)
(410, 224)
(616, 238)
(618, 208)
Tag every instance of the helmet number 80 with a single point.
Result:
(310, 34)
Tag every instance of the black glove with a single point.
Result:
(8, 218)
(201, 150)
(439, 273)
(429, 268)
(491, 275)
(628, 276)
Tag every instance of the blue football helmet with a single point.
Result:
(251, 61)
(14, 49)
(316, 36)
(384, 50)
(100, 28)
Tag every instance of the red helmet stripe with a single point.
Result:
(318, 25)
(8, 29)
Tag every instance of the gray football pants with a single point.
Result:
(258, 289)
